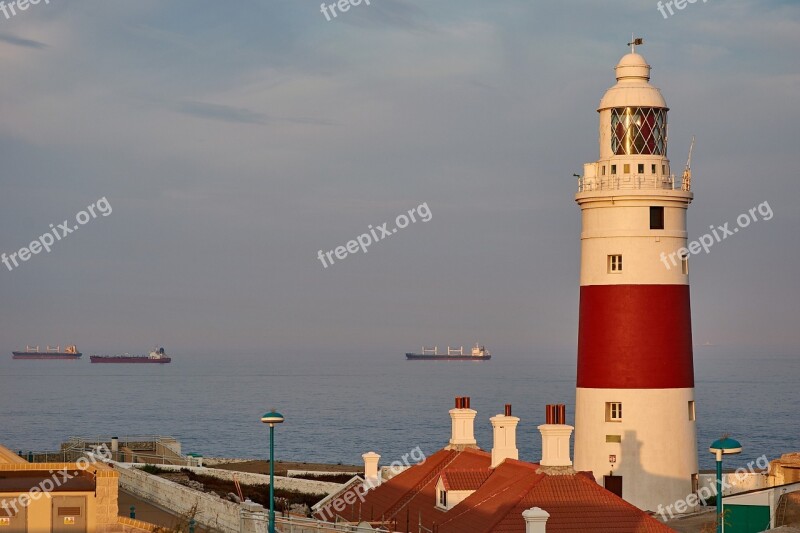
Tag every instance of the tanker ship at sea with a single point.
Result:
(156, 356)
(478, 353)
(33, 352)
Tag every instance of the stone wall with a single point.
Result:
(214, 461)
(106, 495)
(306, 486)
(212, 511)
(734, 483)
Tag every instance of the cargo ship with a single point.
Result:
(156, 356)
(32, 352)
(478, 353)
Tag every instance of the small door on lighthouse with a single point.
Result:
(613, 484)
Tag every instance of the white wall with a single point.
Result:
(657, 455)
(738, 482)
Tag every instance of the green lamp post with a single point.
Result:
(272, 418)
(720, 447)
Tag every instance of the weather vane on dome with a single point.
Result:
(634, 42)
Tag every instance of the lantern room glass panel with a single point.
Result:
(639, 131)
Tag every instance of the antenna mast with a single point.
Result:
(687, 171)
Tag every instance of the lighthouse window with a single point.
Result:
(685, 265)
(652, 169)
(657, 217)
(614, 263)
(640, 168)
(639, 130)
(613, 169)
(613, 411)
(691, 410)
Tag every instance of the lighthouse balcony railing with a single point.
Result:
(632, 181)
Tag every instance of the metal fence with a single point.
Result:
(296, 524)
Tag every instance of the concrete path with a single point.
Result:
(148, 512)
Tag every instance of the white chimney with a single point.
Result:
(535, 520)
(371, 468)
(555, 438)
(463, 418)
(505, 437)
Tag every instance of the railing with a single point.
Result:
(64, 456)
(632, 181)
(144, 448)
(296, 524)
(123, 439)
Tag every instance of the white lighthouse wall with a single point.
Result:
(620, 224)
(655, 432)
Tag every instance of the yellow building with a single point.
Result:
(79, 497)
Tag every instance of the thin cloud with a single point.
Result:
(239, 115)
(19, 41)
(221, 112)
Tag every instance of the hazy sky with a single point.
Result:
(234, 140)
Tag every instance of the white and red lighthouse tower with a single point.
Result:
(634, 414)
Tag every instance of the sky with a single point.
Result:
(234, 140)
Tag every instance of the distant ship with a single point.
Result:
(156, 356)
(70, 352)
(479, 353)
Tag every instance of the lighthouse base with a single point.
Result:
(646, 436)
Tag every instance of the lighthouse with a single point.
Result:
(635, 424)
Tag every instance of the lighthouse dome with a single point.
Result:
(632, 65)
(633, 87)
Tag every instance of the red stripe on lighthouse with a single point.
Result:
(635, 337)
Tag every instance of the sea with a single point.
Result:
(337, 408)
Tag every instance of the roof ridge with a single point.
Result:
(527, 487)
(408, 496)
(431, 459)
(481, 470)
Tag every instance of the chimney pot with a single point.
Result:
(556, 414)
(508, 409)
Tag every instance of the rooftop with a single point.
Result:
(575, 501)
(25, 480)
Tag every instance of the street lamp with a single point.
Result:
(272, 418)
(720, 447)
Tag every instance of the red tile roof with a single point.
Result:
(464, 479)
(576, 503)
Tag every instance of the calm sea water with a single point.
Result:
(338, 408)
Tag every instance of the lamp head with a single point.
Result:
(273, 417)
(726, 445)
